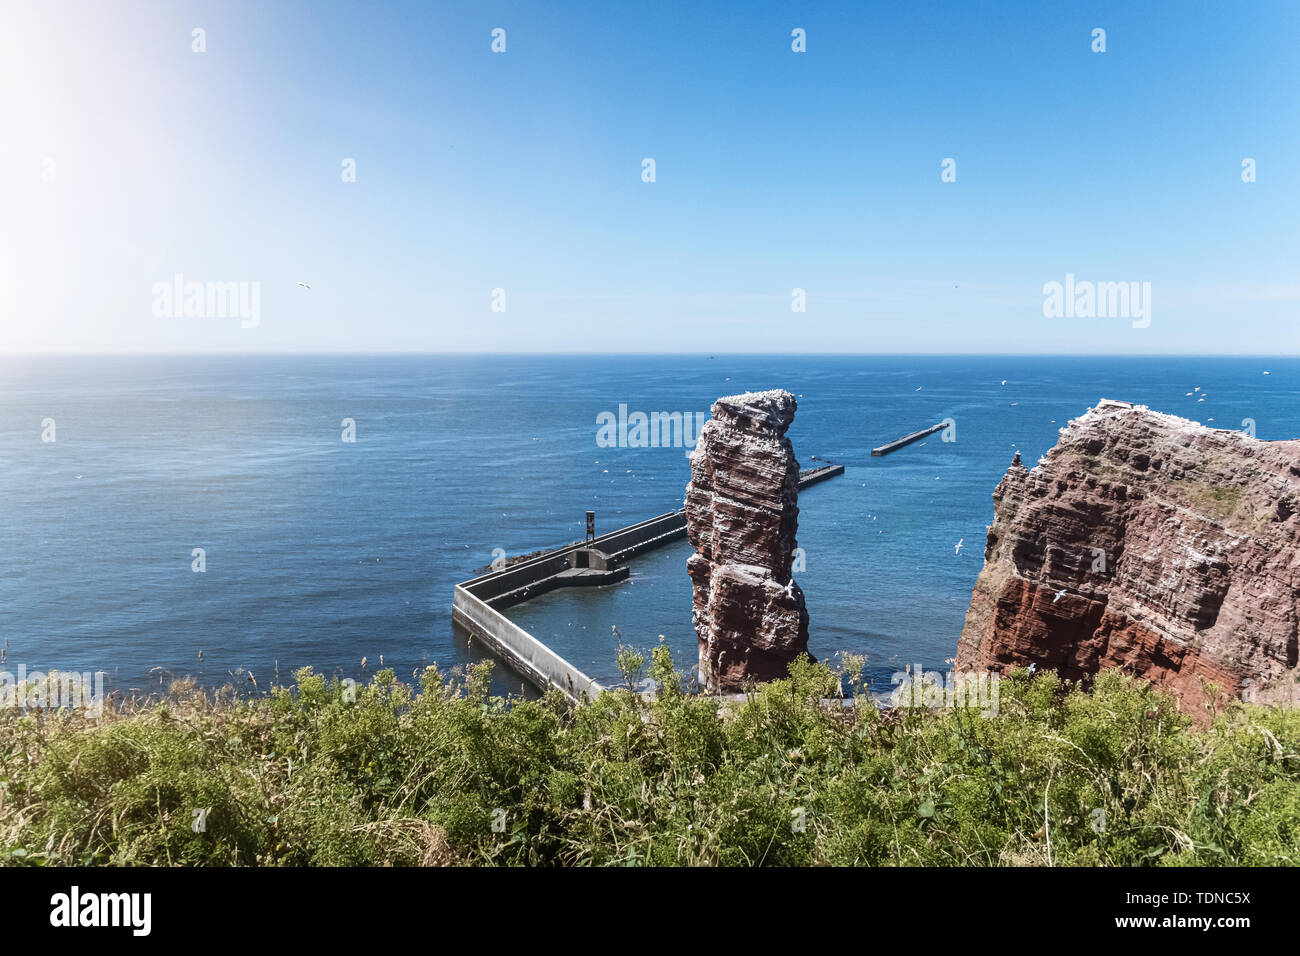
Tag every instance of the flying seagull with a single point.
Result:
(1059, 594)
(304, 285)
(957, 548)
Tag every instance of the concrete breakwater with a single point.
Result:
(476, 603)
(907, 440)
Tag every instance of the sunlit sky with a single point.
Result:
(128, 158)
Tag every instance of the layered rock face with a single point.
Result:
(741, 517)
(1151, 543)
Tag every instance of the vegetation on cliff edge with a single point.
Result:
(446, 774)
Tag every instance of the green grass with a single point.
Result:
(1111, 775)
(1216, 501)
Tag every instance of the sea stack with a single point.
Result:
(742, 514)
(1151, 543)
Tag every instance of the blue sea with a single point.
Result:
(319, 551)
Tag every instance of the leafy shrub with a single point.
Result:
(323, 774)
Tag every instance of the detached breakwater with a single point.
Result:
(898, 443)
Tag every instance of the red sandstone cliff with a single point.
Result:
(1151, 543)
(741, 518)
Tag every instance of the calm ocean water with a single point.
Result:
(323, 552)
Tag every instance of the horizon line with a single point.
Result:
(196, 353)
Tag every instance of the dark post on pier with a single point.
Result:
(591, 526)
(907, 440)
